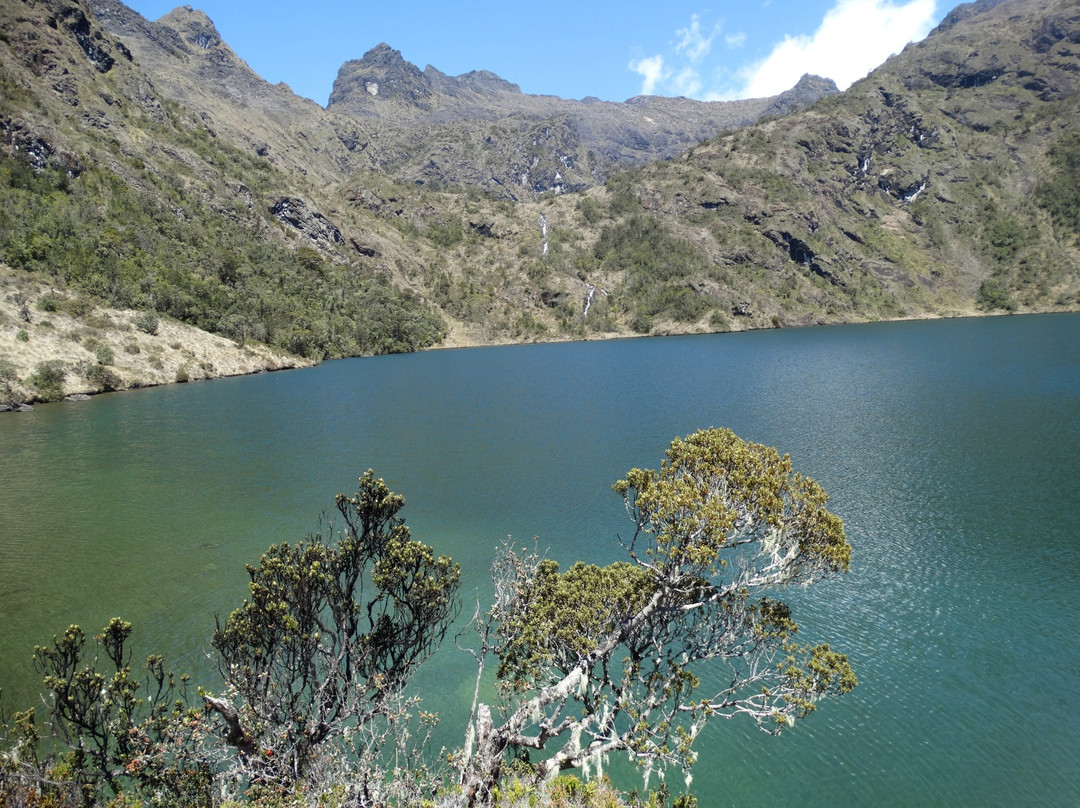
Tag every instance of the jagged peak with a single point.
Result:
(194, 25)
(383, 54)
(812, 80)
(187, 15)
(965, 11)
(483, 82)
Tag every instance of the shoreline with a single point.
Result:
(54, 341)
(113, 350)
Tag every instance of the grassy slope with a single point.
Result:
(942, 184)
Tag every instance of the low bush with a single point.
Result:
(48, 380)
(147, 322)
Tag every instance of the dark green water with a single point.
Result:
(951, 449)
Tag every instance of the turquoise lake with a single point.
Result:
(950, 448)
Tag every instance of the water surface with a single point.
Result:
(950, 448)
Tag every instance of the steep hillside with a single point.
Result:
(481, 131)
(939, 185)
(115, 195)
(144, 168)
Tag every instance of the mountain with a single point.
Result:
(941, 184)
(481, 131)
(146, 171)
(385, 114)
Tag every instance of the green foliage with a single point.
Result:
(102, 377)
(48, 303)
(657, 267)
(569, 613)
(623, 200)
(331, 631)
(597, 660)
(9, 377)
(993, 295)
(1060, 193)
(1006, 238)
(446, 233)
(120, 730)
(713, 486)
(593, 660)
(589, 209)
(48, 379)
(128, 246)
(147, 322)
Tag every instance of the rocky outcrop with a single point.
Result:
(384, 77)
(20, 139)
(294, 213)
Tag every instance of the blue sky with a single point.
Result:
(611, 49)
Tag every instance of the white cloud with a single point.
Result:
(687, 54)
(652, 71)
(735, 40)
(854, 37)
(693, 44)
(687, 82)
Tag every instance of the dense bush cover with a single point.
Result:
(99, 235)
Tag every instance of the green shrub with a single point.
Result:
(1060, 194)
(104, 354)
(102, 377)
(48, 303)
(48, 380)
(147, 322)
(75, 306)
(994, 296)
(22, 336)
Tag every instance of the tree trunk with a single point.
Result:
(482, 772)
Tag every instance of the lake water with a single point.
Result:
(950, 448)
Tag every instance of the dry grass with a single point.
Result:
(30, 336)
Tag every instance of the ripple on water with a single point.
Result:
(951, 449)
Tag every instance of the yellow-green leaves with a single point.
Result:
(334, 627)
(715, 492)
(565, 615)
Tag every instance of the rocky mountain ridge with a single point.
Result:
(475, 130)
(145, 168)
(480, 130)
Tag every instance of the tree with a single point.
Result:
(323, 647)
(636, 656)
(633, 657)
(315, 663)
(118, 729)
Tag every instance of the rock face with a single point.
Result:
(295, 213)
(383, 75)
(480, 130)
(383, 84)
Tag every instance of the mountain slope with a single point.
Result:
(115, 195)
(145, 167)
(481, 131)
(926, 189)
